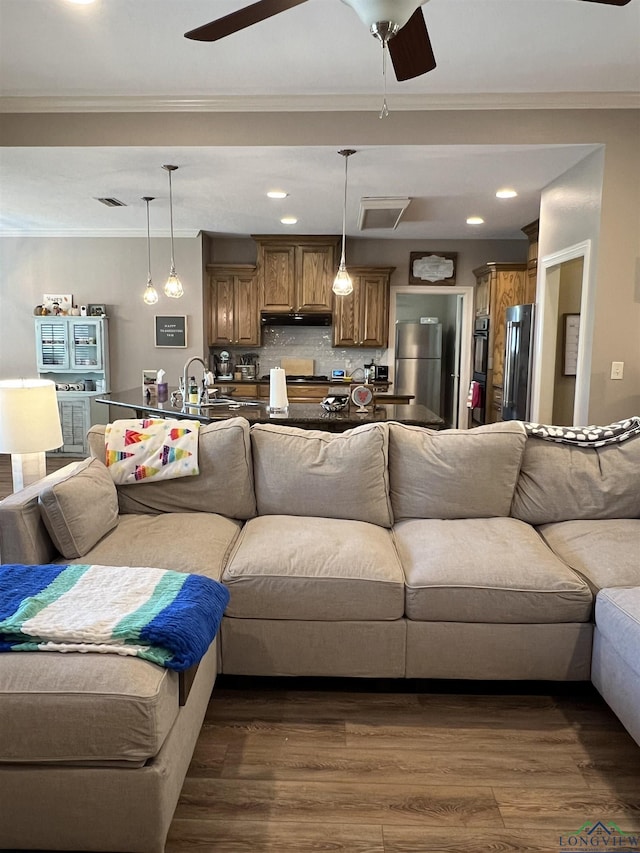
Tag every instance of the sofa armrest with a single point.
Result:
(23, 535)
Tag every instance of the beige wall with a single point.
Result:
(569, 296)
(104, 270)
(616, 330)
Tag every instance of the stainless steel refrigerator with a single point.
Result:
(518, 362)
(418, 363)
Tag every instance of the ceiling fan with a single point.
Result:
(398, 24)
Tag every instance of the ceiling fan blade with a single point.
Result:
(245, 17)
(611, 2)
(410, 49)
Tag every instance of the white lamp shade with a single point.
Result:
(29, 417)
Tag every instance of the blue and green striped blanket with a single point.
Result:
(166, 617)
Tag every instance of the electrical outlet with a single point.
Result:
(617, 369)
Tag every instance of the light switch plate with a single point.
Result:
(617, 369)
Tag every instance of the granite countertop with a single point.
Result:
(308, 415)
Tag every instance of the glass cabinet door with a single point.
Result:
(52, 344)
(86, 345)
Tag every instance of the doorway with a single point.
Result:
(561, 376)
(453, 306)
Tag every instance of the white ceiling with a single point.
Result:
(123, 55)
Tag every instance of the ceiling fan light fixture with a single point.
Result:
(342, 284)
(173, 287)
(392, 13)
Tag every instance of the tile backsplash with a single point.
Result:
(307, 342)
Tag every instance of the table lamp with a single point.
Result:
(29, 425)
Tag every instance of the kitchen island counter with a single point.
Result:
(305, 415)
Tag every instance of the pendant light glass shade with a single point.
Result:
(150, 294)
(173, 286)
(342, 284)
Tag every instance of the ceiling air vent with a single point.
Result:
(381, 212)
(111, 202)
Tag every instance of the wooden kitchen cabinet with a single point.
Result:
(362, 318)
(232, 305)
(531, 230)
(498, 286)
(296, 275)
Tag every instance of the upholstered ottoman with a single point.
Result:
(616, 654)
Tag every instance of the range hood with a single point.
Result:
(295, 318)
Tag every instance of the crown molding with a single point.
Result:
(324, 103)
(94, 232)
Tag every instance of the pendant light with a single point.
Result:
(150, 295)
(342, 284)
(173, 287)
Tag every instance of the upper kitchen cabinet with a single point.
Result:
(362, 319)
(296, 274)
(232, 305)
(531, 230)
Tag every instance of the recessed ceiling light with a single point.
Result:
(506, 193)
(277, 194)
(475, 220)
(288, 220)
(81, 2)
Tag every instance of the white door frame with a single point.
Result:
(546, 333)
(468, 316)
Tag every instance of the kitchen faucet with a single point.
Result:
(185, 383)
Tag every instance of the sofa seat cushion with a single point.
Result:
(84, 708)
(486, 570)
(618, 620)
(605, 552)
(184, 541)
(289, 567)
(559, 482)
(224, 484)
(454, 473)
(322, 474)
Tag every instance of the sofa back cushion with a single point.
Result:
(316, 473)
(454, 473)
(559, 482)
(224, 484)
(80, 509)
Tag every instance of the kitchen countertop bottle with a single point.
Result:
(193, 390)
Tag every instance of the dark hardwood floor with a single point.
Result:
(302, 765)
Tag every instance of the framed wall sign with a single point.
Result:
(432, 267)
(171, 331)
(570, 341)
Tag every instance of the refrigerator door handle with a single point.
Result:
(511, 345)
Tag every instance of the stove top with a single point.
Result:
(299, 378)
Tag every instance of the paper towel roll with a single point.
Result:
(278, 399)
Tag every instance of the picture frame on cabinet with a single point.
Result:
(171, 331)
(96, 310)
(432, 268)
(64, 301)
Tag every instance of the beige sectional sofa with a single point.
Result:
(386, 551)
